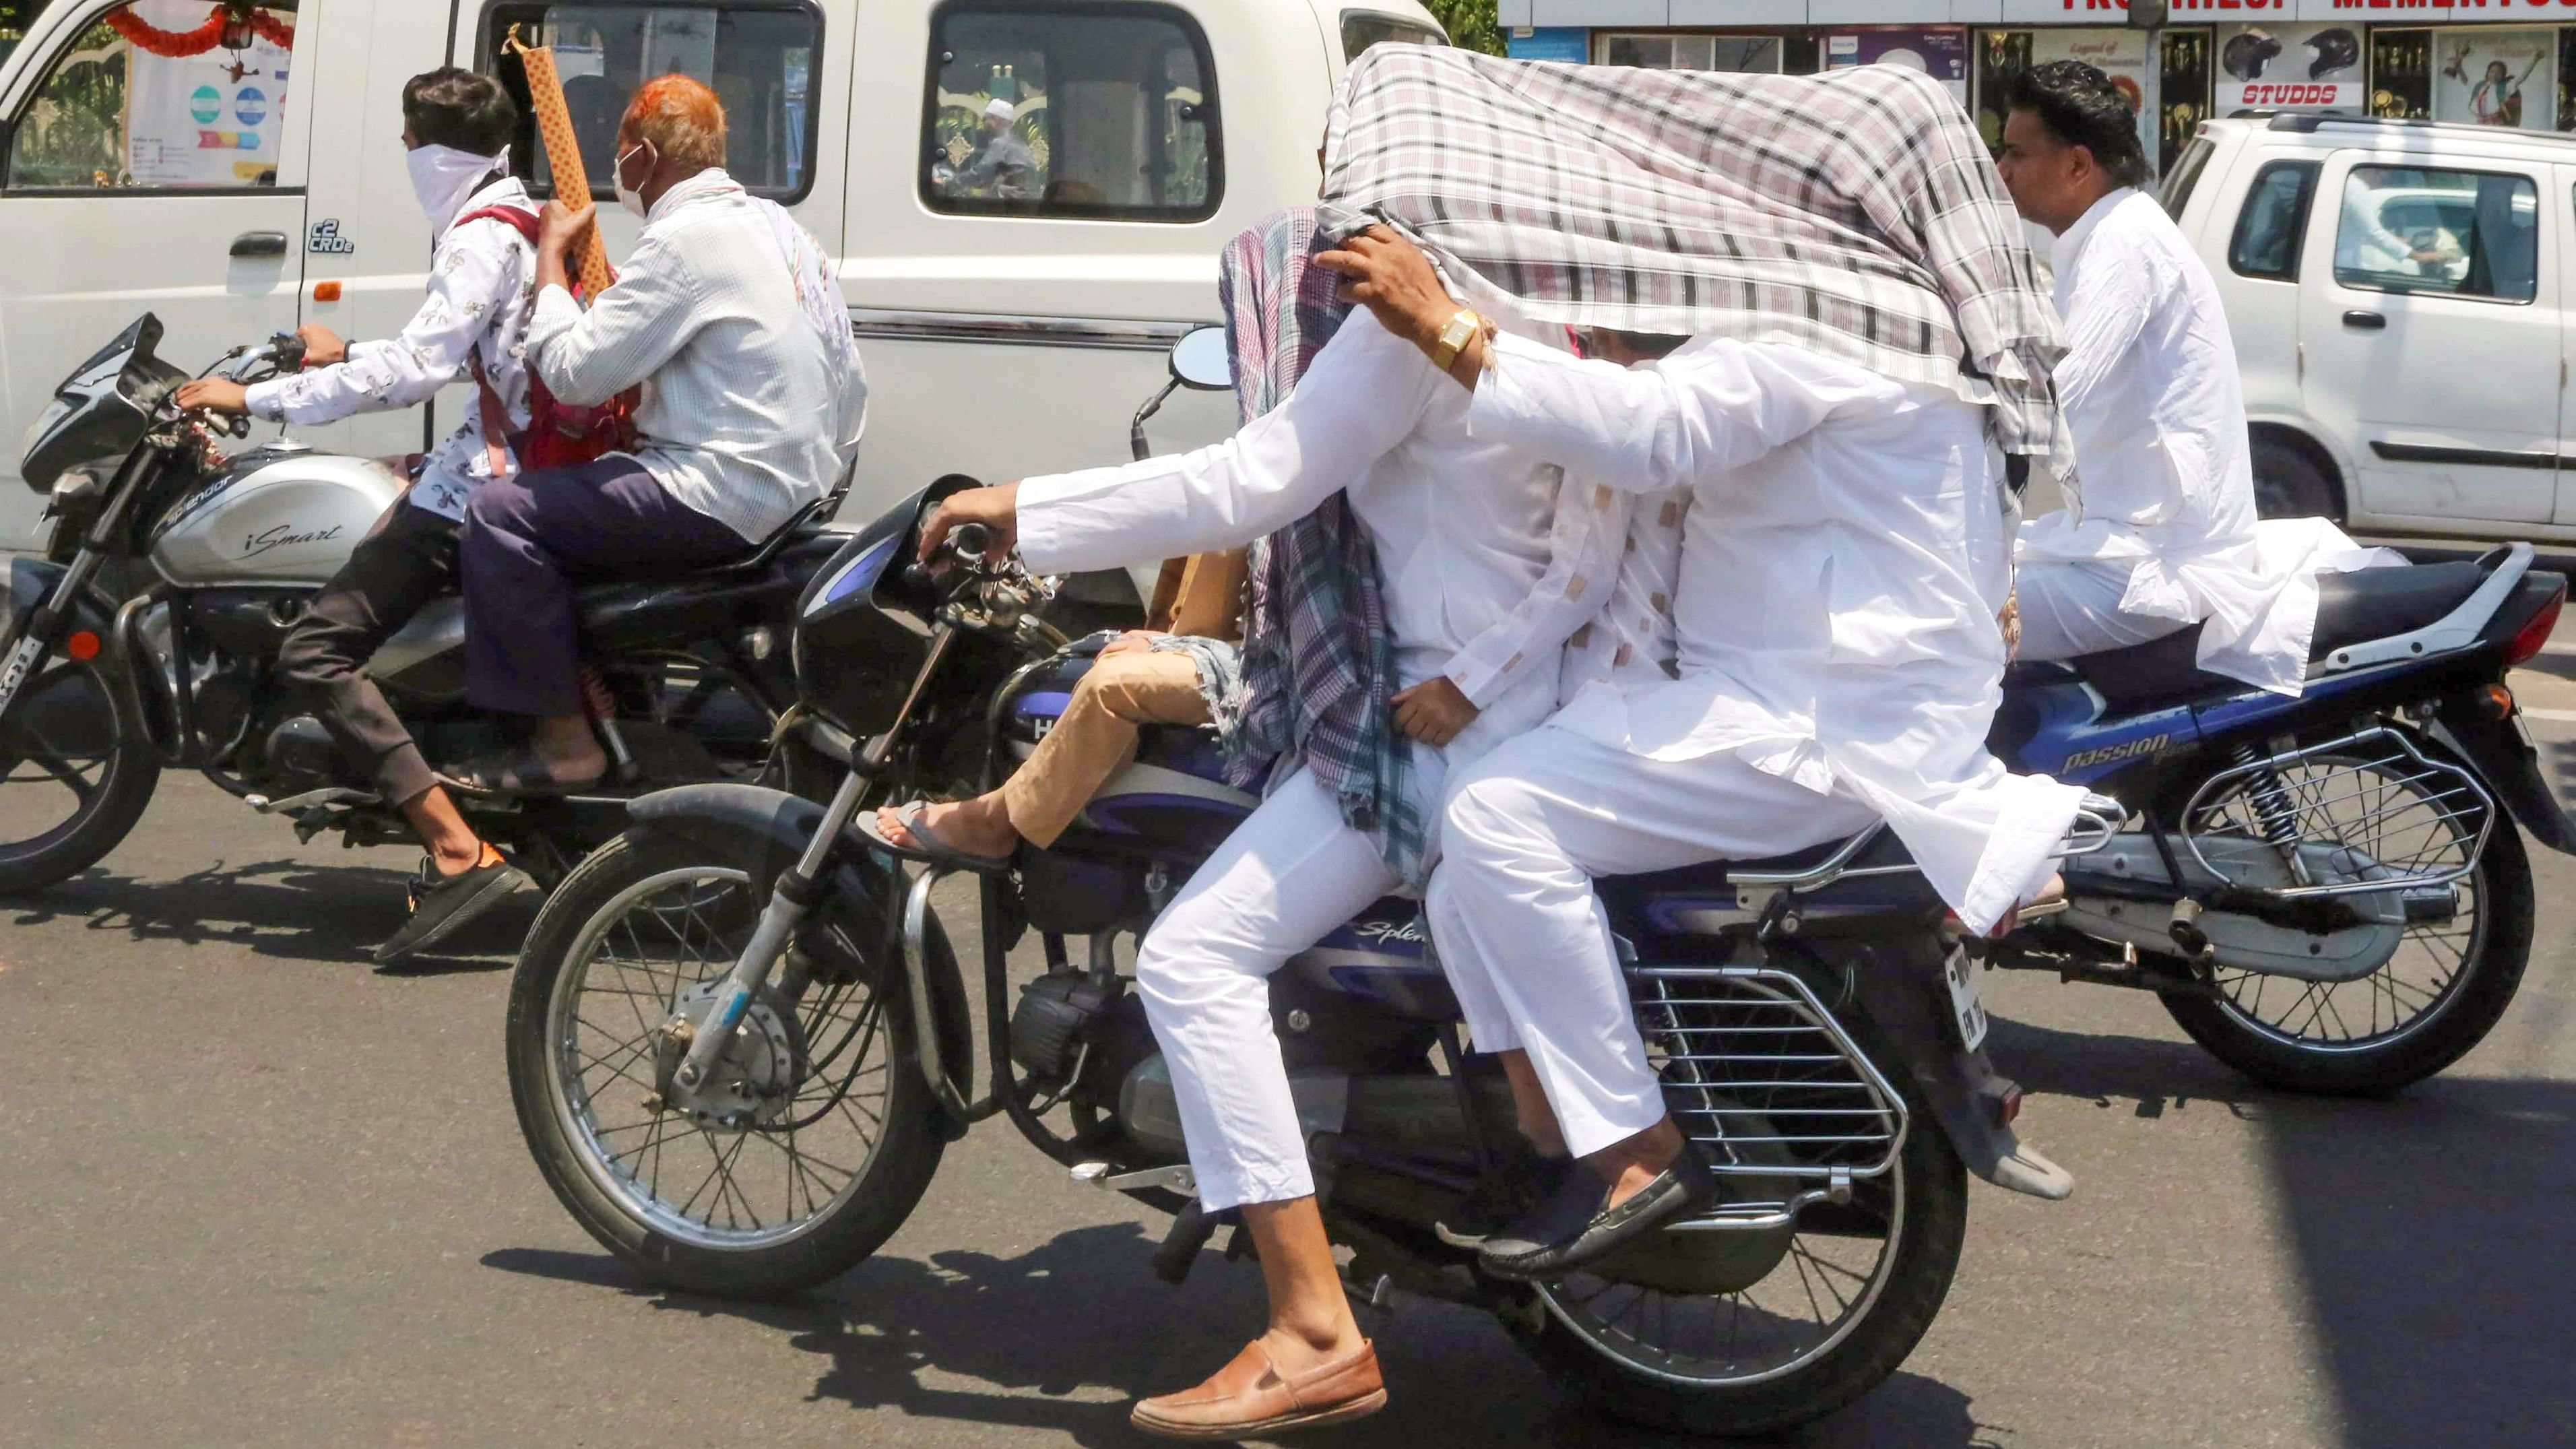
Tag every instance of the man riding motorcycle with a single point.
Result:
(456, 128)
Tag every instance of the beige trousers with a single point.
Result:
(1097, 737)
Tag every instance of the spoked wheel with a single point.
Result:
(2444, 989)
(77, 770)
(811, 1140)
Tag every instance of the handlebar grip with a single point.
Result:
(970, 540)
(288, 349)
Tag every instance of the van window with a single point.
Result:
(2274, 222)
(2460, 233)
(760, 60)
(2182, 177)
(1048, 110)
(1361, 29)
(159, 95)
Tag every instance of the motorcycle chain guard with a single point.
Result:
(2132, 903)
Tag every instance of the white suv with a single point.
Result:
(2398, 293)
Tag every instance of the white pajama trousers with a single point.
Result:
(1525, 939)
(1291, 872)
(2072, 607)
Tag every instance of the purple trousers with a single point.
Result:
(532, 539)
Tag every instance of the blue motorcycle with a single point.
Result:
(739, 1038)
(2328, 892)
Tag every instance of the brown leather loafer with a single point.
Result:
(1251, 1397)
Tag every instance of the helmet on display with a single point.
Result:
(2246, 55)
(2336, 50)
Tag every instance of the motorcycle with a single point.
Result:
(2327, 893)
(102, 687)
(739, 1039)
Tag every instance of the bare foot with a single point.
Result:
(570, 750)
(978, 827)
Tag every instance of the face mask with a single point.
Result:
(627, 196)
(443, 177)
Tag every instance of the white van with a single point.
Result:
(2399, 293)
(1011, 323)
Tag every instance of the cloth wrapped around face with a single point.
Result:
(1854, 213)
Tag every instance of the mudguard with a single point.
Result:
(764, 831)
(2503, 756)
(1909, 1006)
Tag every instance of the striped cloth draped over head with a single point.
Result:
(1855, 213)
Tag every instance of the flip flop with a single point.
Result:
(927, 847)
(520, 771)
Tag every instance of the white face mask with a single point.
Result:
(627, 196)
(443, 177)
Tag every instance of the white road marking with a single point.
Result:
(2559, 716)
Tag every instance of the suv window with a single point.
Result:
(2274, 222)
(759, 60)
(1360, 30)
(2176, 192)
(1104, 111)
(159, 95)
(2460, 233)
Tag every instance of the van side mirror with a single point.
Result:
(1201, 360)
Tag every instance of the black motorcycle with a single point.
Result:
(739, 1039)
(146, 637)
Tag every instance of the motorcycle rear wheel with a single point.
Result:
(728, 1238)
(70, 732)
(1665, 1377)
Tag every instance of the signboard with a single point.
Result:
(1941, 54)
(2497, 78)
(202, 120)
(2119, 54)
(2290, 68)
(1550, 42)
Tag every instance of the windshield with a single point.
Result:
(2184, 176)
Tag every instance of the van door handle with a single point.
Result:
(260, 244)
(2364, 321)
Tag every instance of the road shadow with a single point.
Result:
(284, 909)
(2431, 1229)
(1070, 1333)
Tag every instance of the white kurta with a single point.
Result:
(2163, 532)
(1841, 567)
(1486, 571)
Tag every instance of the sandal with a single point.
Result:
(927, 847)
(520, 771)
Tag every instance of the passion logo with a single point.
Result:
(2109, 753)
(285, 536)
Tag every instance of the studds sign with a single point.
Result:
(2290, 68)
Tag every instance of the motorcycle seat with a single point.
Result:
(2352, 608)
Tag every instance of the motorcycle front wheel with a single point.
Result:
(1852, 1293)
(77, 770)
(757, 1203)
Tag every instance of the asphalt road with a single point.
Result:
(255, 1192)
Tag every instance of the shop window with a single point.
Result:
(1050, 110)
(759, 60)
(2274, 223)
(2401, 74)
(1362, 29)
(2457, 233)
(1740, 54)
(160, 95)
(2182, 94)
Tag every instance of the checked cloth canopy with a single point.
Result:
(1854, 213)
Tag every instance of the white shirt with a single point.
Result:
(1840, 570)
(481, 285)
(2149, 385)
(1486, 567)
(747, 414)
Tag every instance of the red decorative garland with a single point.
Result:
(176, 44)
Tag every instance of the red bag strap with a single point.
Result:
(496, 418)
(525, 222)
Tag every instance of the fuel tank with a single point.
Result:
(280, 514)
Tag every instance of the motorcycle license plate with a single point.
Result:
(1959, 974)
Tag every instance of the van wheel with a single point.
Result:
(2288, 483)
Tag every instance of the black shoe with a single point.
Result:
(1577, 1227)
(441, 903)
(1503, 1199)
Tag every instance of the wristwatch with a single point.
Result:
(1454, 338)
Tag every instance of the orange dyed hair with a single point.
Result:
(681, 117)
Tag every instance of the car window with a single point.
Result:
(159, 95)
(759, 60)
(2274, 222)
(2457, 233)
(2185, 175)
(1360, 30)
(1103, 111)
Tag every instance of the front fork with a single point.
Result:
(36, 635)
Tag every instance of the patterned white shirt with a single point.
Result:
(482, 290)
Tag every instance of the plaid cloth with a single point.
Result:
(1855, 213)
(1318, 662)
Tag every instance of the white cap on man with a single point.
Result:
(1001, 110)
